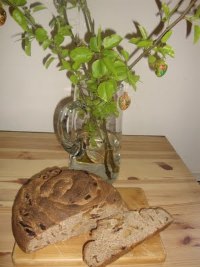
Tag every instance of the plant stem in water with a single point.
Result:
(108, 157)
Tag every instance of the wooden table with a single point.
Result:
(148, 162)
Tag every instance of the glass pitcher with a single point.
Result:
(94, 150)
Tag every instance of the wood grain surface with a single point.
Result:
(148, 162)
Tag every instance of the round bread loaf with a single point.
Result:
(59, 203)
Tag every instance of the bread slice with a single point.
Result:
(57, 204)
(115, 236)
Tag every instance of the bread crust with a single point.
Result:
(55, 195)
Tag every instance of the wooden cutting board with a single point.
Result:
(69, 253)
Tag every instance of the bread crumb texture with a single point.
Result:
(115, 236)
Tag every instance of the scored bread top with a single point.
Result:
(55, 194)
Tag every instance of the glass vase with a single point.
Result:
(95, 150)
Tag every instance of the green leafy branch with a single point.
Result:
(98, 64)
(159, 44)
(99, 59)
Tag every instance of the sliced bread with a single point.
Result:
(59, 203)
(115, 236)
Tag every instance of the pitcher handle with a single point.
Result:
(65, 128)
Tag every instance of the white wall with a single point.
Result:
(161, 106)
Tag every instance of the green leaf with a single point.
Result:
(46, 44)
(99, 39)
(107, 89)
(81, 54)
(90, 127)
(144, 43)
(120, 70)
(110, 108)
(49, 61)
(96, 42)
(65, 30)
(151, 59)
(94, 46)
(194, 18)
(196, 33)
(74, 79)
(106, 109)
(18, 2)
(35, 7)
(65, 65)
(166, 36)
(132, 79)
(166, 11)
(58, 39)
(141, 43)
(143, 32)
(99, 69)
(111, 41)
(41, 35)
(125, 54)
(64, 52)
(197, 13)
(109, 62)
(168, 50)
(76, 65)
(92, 85)
(27, 46)
(135, 40)
(165, 50)
(20, 18)
(110, 54)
